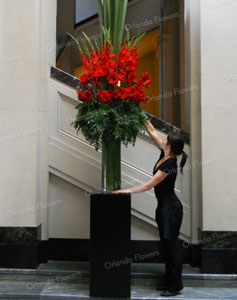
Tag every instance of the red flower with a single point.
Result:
(79, 95)
(130, 65)
(86, 63)
(114, 94)
(100, 72)
(131, 77)
(140, 84)
(105, 96)
(122, 76)
(141, 97)
(144, 76)
(113, 78)
(84, 96)
(136, 95)
(133, 92)
(84, 79)
(147, 83)
(87, 95)
(111, 65)
(123, 93)
(145, 79)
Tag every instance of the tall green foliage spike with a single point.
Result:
(112, 16)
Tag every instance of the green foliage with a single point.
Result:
(119, 119)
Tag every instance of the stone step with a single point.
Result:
(70, 280)
(137, 279)
(65, 291)
(141, 275)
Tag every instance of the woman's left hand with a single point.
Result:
(122, 191)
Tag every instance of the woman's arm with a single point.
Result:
(152, 132)
(157, 178)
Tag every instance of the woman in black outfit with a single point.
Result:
(169, 212)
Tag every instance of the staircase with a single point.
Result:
(70, 280)
(72, 159)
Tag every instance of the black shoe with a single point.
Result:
(177, 289)
(169, 294)
(181, 287)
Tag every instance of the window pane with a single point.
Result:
(84, 10)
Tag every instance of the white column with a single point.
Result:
(27, 49)
(192, 104)
(219, 110)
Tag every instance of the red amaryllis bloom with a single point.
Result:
(147, 83)
(84, 96)
(131, 77)
(123, 54)
(141, 97)
(113, 78)
(123, 93)
(100, 72)
(114, 94)
(133, 92)
(84, 79)
(111, 65)
(105, 96)
(129, 65)
(122, 76)
(135, 95)
(146, 79)
(79, 95)
(87, 95)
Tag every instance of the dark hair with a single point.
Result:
(177, 144)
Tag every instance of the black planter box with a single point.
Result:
(110, 235)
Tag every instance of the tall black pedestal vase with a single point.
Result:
(110, 235)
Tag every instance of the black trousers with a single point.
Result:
(169, 215)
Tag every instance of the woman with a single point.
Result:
(169, 212)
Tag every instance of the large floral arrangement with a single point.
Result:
(109, 105)
(108, 111)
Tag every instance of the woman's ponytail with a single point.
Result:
(177, 143)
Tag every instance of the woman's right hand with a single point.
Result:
(153, 134)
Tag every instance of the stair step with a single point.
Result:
(70, 280)
(141, 275)
(64, 291)
(189, 280)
